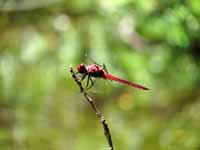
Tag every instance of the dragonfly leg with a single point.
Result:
(88, 82)
(83, 77)
(91, 81)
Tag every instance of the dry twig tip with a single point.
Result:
(94, 107)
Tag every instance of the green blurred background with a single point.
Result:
(152, 42)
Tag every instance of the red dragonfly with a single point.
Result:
(97, 71)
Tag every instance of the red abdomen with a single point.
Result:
(111, 77)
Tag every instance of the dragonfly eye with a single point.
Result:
(81, 68)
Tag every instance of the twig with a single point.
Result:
(103, 121)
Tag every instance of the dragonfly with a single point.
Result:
(96, 71)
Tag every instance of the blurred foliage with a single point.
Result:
(155, 43)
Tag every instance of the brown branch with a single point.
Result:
(103, 121)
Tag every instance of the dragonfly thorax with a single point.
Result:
(94, 70)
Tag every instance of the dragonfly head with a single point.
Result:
(81, 68)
